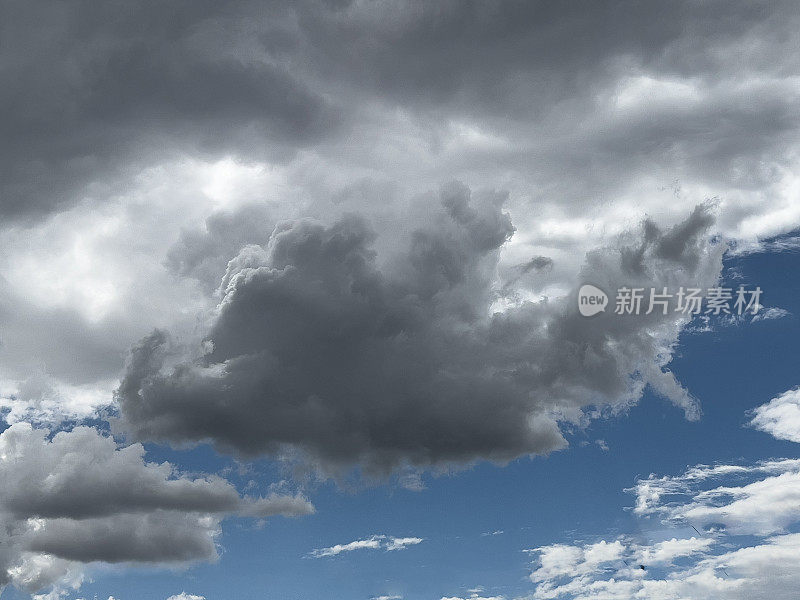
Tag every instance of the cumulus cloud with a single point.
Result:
(127, 133)
(75, 498)
(473, 597)
(203, 254)
(698, 498)
(591, 118)
(185, 596)
(375, 542)
(780, 417)
(318, 347)
(741, 519)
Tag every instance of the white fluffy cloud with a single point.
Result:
(473, 597)
(737, 541)
(780, 416)
(764, 499)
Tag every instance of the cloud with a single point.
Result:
(402, 543)
(473, 597)
(130, 139)
(277, 504)
(75, 498)
(402, 361)
(780, 417)
(741, 519)
(698, 498)
(138, 92)
(597, 97)
(402, 340)
(784, 243)
(185, 596)
(203, 254)
(771, 313)
(375, 542)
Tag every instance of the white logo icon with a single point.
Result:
(591, 300)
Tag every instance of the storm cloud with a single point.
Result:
(318, 347)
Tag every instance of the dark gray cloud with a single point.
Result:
(152, 538)
(81, 474)
(580, 111)
(78, 497)
(93, 93)
(317, 347)
(591, 97)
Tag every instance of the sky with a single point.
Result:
(295, 300)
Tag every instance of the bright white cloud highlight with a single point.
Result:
(780, 417)
(743, 547)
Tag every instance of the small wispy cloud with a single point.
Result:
(789, 243)
(770, 314)
(402, 543)
(375, 542)
(473, 597)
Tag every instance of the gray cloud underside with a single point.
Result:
(580, 111)
(320, 347)
(100, 92)
(77, 497)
